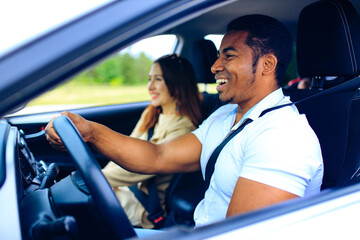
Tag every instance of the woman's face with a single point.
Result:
(160, 95)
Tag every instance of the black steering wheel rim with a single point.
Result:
(103, 196)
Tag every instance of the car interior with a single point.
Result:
(327, 36)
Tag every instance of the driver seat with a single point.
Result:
(328, 44)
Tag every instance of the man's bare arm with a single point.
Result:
(250, 195)
(179, 155)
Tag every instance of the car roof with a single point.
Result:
(214, 22)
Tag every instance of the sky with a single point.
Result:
(26, 19)
(23, 20)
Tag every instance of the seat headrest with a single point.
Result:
(203, 56)
(328, 40)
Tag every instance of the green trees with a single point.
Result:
(121, 69)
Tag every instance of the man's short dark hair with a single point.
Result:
(266, 35)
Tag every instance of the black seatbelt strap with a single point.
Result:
(150, 133)
(274, 108)
(213, 158)
(150, 202)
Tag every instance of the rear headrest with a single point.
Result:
(203, 56)
(328, 40)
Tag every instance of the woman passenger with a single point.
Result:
(174, 111)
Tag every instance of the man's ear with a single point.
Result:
(269, 64)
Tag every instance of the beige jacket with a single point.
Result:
(167, 128)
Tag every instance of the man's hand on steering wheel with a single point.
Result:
(83, 126)
(62, 133)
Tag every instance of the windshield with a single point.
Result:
(22, 20)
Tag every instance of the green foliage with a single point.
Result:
(291, 72)
(120, 69)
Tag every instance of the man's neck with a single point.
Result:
(243, 109)
(240, 112)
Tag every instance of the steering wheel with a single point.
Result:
(103, 196)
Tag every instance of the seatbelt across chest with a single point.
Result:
(213, 158)
(150, 202)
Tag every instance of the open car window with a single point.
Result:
(121, 78)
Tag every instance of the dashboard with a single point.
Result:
(31, 172)
(28, 211)
(39, 204)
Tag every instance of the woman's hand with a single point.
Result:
(83, 126)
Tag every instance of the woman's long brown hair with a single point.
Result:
(180, 79)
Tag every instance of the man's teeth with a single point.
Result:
(221, 81)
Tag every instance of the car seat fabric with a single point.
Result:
(332, 133)
(184, 193)
(211, 102)
(298, 94)
(350, 173)
(203, 56)
(328, 44)
(328, 39)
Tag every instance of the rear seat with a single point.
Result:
(211, 102)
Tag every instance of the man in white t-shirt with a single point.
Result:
(274, 158)
(278, 149)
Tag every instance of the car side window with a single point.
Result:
(121, 78)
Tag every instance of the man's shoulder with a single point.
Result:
(286, 121)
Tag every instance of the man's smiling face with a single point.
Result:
(233, 69)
